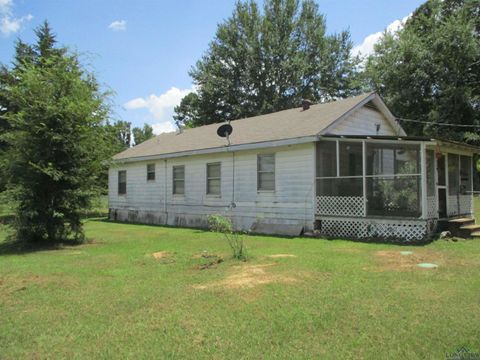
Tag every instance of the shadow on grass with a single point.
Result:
(12, 246)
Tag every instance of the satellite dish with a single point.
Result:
(225, 130)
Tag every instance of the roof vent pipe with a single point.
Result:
(306, 104)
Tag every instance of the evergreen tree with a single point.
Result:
(260, 62)
(55, 112)
(430, 70)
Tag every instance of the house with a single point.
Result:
(344, 168)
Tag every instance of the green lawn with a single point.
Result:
(328, 299)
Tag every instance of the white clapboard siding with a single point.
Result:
(362, 122)
(291, 203)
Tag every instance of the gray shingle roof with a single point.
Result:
(282, 125)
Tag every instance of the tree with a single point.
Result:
(120, 135)
(56, 112)
(260, 62)
(140, 135)
(430, 70)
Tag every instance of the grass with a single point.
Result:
(327, 299)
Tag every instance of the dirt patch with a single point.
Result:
(280, 256)
(395, 260)
(164, 257)
(209, 261)
(249, 276)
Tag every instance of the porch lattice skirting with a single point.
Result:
(340, 205)
(372, 229)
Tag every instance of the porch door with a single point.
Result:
(441, 186)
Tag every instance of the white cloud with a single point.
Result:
(366, 47)
(8, 23)
(163, 127)
(5, 6)
(117, 25)
(161, 107)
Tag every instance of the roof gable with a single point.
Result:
(360, 121)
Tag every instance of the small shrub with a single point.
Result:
(235, 240)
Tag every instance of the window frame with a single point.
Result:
(208, 178)
(259, 172)
(119, 190)
(151, 172)
(174, 188)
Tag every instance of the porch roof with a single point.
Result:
(433, 141)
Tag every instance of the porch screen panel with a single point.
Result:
(453, 174)
(389, 159)
(327, 158)
(430, 173)
(466, 197)
(340, 193)
(340, 187)
(351, 159)
(394, 196)
(431, 192)
(393, 180)
(465, 174)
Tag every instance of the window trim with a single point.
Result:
(119, 183)
(175, 180)
(267, 172)
(150, 172)
(219, 163)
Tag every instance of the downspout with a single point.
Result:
(233, 205)
(165, 192)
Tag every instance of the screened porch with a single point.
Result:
(392, 178)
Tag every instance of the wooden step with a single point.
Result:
(461, 220)
(460, 226)
(475, 234)
(470, 227)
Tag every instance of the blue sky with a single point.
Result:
(143, 50)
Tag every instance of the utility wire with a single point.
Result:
(438, 124)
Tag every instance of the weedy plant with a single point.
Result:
(236, 241)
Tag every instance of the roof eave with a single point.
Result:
(230, 148)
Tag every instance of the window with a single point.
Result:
(266, 172)
(179, 180)
(214, 179)
(122, 182)
(150, 172)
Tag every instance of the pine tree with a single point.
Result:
(55, 111)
